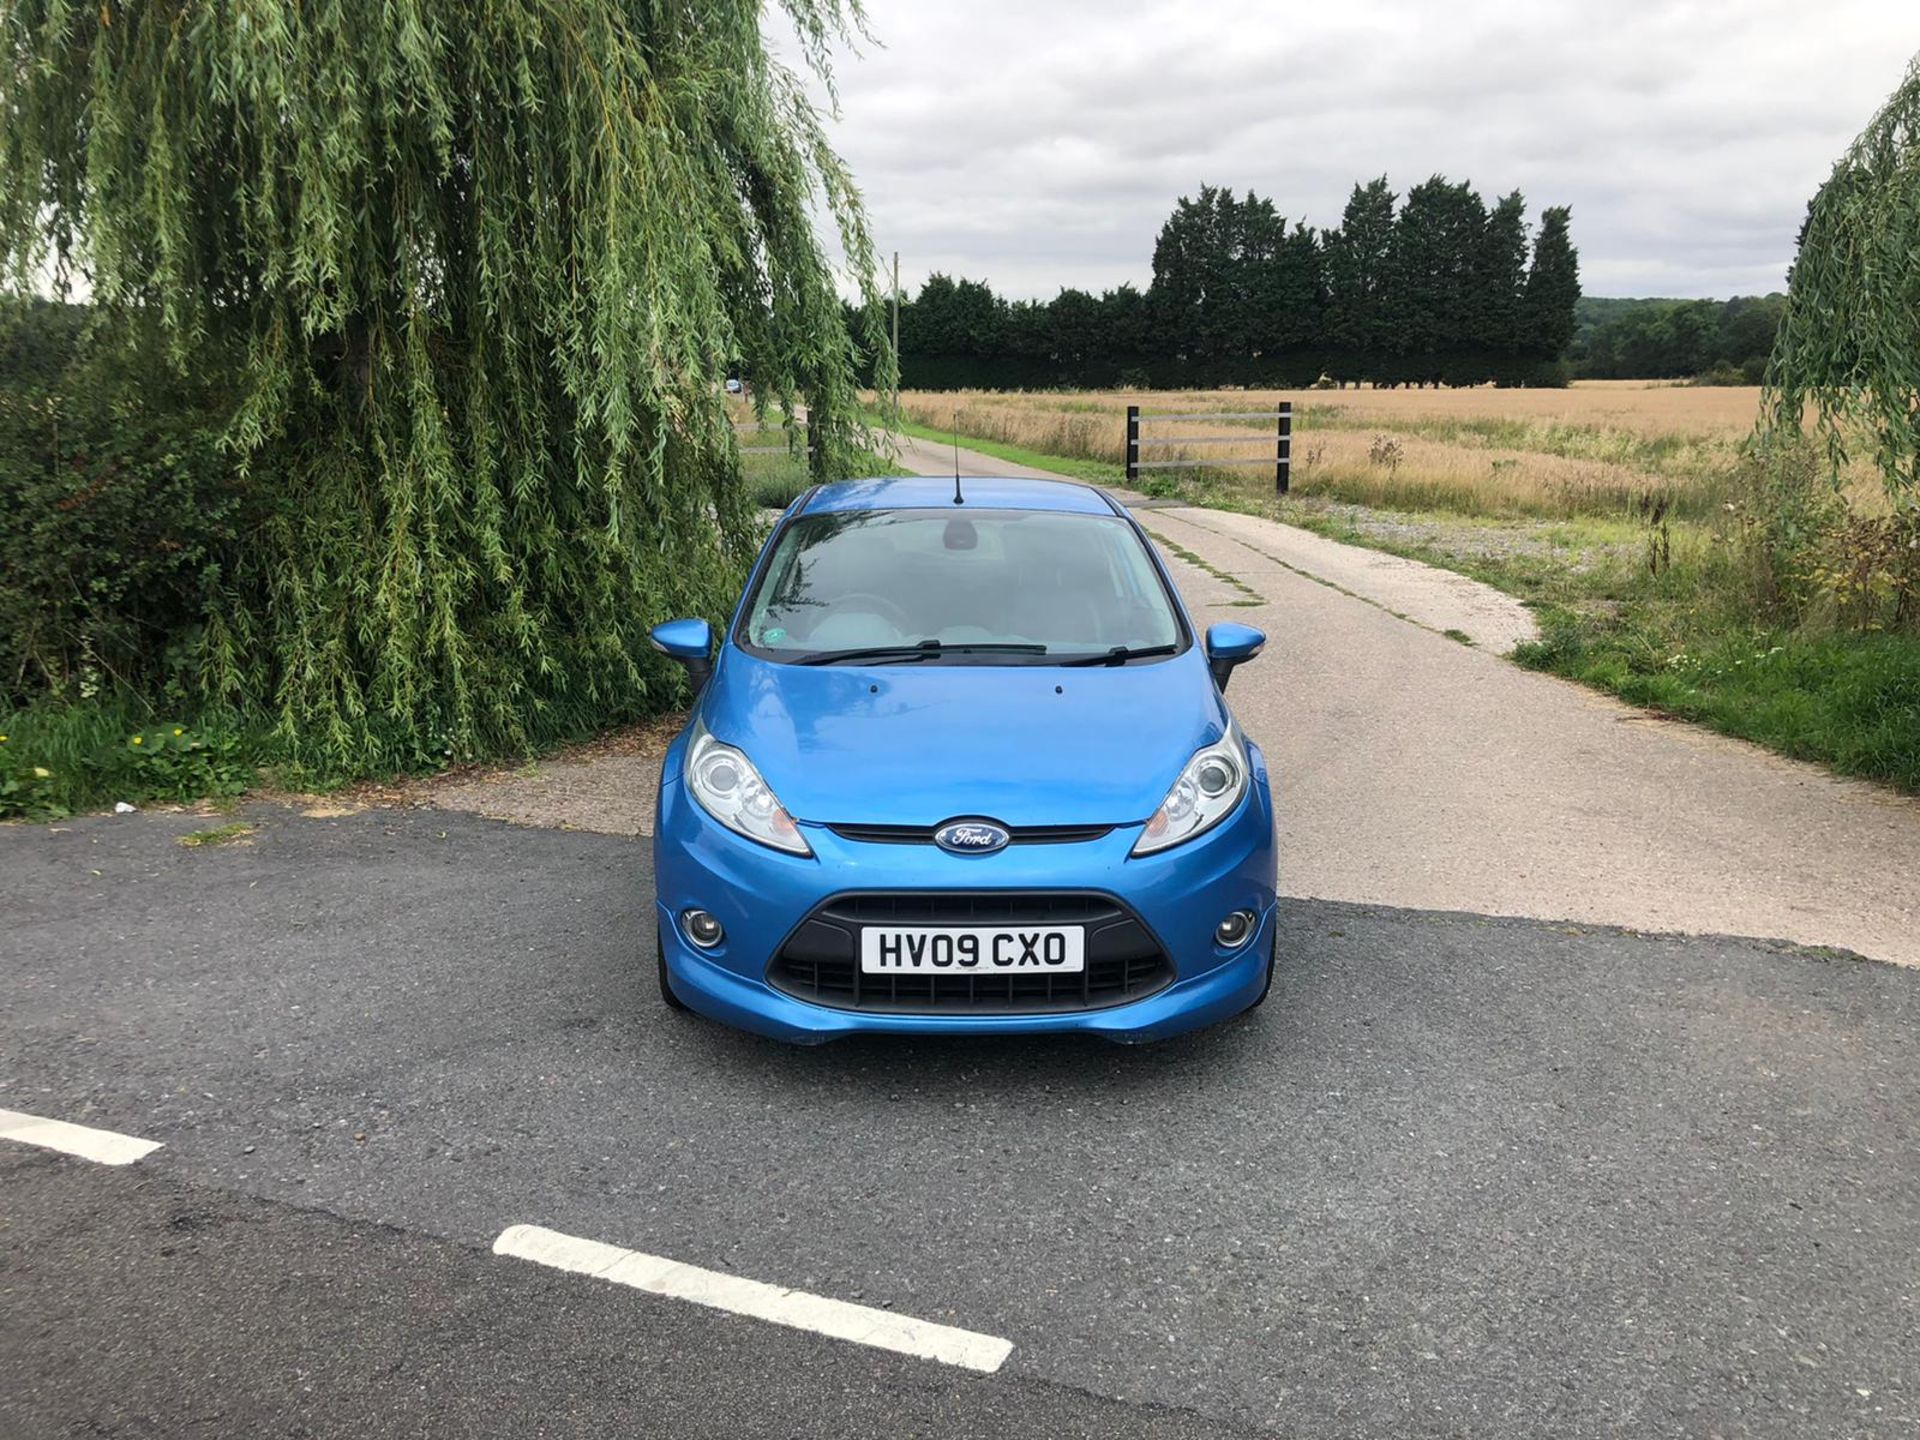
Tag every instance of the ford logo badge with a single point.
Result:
(971, 837)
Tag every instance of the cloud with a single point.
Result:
(1041, 144)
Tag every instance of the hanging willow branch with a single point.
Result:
(1850, 340)
(477, 269)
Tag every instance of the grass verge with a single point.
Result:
(1851, 702)
(1683, 640)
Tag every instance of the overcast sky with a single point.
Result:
(1041, 144)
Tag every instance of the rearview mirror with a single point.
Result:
(691, 643)
(1229, 645)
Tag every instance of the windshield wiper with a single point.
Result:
(925, 650)
(1120, 654)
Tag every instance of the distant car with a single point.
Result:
(734, 387)
(962, 765)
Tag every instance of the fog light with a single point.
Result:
(1233, 931)
(701, 928)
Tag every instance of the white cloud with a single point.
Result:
(1037, 145)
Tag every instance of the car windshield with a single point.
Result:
(978, 587)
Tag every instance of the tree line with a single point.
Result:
(1721, 341)
(1435, 288)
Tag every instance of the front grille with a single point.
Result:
(1016, 834)
(820, 961)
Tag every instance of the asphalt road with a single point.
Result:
(144, 1305)
(1461, 1176)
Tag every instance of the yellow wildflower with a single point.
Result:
(178, 731)
(40, 772)
(138, 741)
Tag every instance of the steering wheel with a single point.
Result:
(874, 604)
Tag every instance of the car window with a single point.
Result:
(1068, 585)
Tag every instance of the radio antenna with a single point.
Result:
(958, 498)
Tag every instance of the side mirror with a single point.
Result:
(691, 643)
(1229, 645)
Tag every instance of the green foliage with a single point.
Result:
(1231, 282)
(954, 317)
(119, 511)
(177, 763)
(1553, 286)
(1784, 517)
(1436, 240)
(1850, 341)
(59, 757)
(1722, 342)
(28, 789)
(460, 283)
(1814, 556)
(1870, 573)
(777, 489)
(1358, 271)
(1849, 701)
(1497, 304)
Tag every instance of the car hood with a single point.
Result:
(916, 744)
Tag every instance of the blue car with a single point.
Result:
(962, 766)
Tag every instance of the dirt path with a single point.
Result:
(933, 457)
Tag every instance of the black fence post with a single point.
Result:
(1283, 455)
(1133, 442)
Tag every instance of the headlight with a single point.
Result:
(728, 788)
(1203, 796)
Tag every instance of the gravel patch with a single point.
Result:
(1457, 537)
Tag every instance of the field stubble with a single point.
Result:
(1592, 449)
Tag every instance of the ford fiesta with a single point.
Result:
(961, 765)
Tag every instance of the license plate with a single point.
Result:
(973, 950)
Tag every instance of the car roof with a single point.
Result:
(998, 492)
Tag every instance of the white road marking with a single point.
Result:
(836, 1318)
(105, 1147)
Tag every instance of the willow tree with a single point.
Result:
(1849, 343)
(477, 270)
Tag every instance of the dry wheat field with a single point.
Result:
(1595, 447)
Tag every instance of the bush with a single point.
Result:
(27, 788)
(1783, 509)
(1867, 569)
(120, 516)
(1726, 374)
(179, 763)
(1813, 556)
(117, 505)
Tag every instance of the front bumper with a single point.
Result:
(761, 895)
